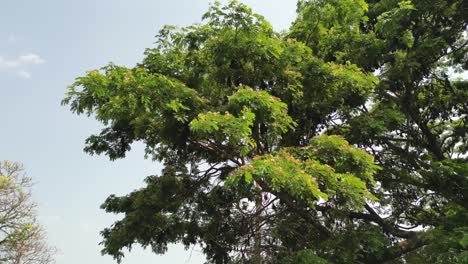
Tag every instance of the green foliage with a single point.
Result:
(269, 111)
(304, 257)
(327, 26)
(282, 173)
(343, 140)
(226, 130)
(135, 105)
(337, 152)
(341, 171)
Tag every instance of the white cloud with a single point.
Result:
(8, 64)
(24, 74)
(20, 64)
(23, 60)
(31, 58)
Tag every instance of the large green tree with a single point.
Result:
(343, 140)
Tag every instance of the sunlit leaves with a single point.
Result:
(135, 105)
(226, 130)
(329, 168)
(269, 111)
(282, 173)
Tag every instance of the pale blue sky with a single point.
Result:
(44, 45)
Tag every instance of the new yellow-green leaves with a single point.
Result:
(135, 105)
(237, 128)
(115, 92)
(281, 173)
(226, 130)
(329, 168)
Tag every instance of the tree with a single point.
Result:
(341, 141)
(22, 239)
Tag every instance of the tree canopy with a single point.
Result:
(22, 238)
(342, 140)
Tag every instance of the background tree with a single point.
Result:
(253, 128)
(22, 239)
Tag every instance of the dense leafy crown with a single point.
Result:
(268, 139)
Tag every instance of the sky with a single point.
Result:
(44, 45)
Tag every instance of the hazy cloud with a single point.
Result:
(24, 74)
(20, 64)
(23, 60)
(31, 58)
